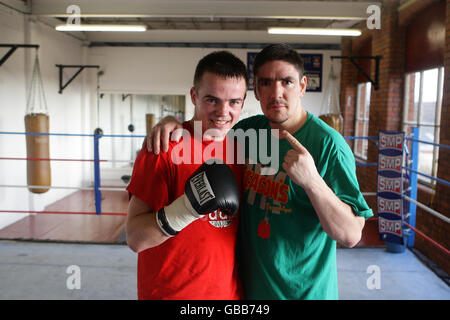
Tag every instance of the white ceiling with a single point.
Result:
(201, 21)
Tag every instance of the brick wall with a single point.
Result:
(348, 95)
(436, 228)
(386, 113)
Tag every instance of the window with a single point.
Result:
(362, 119)
(422, 108)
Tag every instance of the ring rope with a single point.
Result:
(429, 210)
(51, 159)
(428, 238)
(446, 183)
(64, 212)
(438, 245)
(429, 142)
(369, 194)
(356, 138)
(75, 134)
(63, 159)
(63, 187)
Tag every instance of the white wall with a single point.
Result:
(171, 70)
(67, 111)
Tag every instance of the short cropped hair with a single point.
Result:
(283, 52)
(221, 63)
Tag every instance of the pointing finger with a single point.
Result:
(296, 145)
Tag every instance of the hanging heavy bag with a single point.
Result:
(334, 120)
(149, 121)
(38, 146)
(330, 110)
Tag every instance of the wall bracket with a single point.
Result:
(13, 48)
(79, 67)
(357, 66)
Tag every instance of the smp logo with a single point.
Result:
(374, 20)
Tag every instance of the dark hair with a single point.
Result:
(279, 51)
(221, 63)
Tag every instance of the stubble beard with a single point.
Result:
(278, 119)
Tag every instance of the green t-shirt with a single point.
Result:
(283, 251)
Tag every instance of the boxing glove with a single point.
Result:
(211, 187)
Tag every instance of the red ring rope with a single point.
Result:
(66, 212)
(429, 239)
(51, 159)
(124, 214)
(422, 235)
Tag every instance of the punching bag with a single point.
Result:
(149, 121)
(334, 120)
(38, 146)
(330, 110)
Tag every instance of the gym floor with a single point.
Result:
(41, 270)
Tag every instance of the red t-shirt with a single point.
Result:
(199, 262)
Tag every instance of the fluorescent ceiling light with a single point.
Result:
(315, 31)
(101, 27)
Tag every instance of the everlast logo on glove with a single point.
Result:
(201, 188)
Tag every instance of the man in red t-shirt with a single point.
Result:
(184, 253)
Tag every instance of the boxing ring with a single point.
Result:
(96, 161)
(402, 214)
(407, 172)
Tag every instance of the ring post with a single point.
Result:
(390, 189)
(98, 196)
(413, 183)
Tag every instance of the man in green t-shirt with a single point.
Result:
(297, 205)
